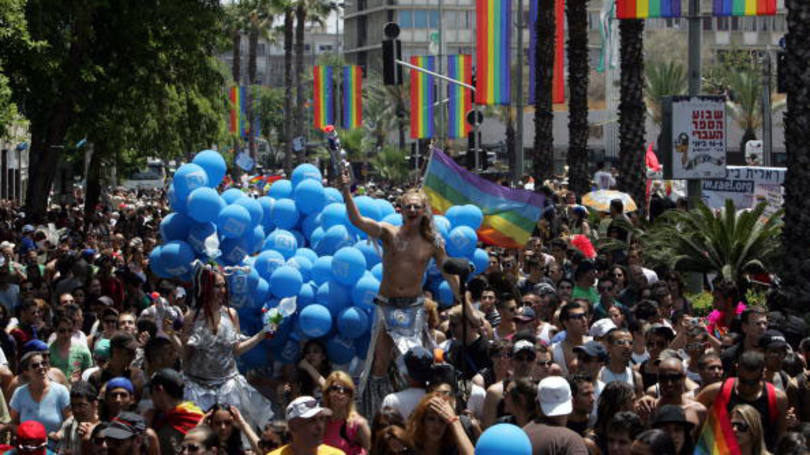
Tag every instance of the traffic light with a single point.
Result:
(392, 51)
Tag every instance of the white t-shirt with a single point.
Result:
(404, 401)
(604, 180)
(476, 402)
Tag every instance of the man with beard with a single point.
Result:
(620, 351)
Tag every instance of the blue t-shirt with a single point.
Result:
(48, 411)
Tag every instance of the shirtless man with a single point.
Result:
(407, 249)
(672, 390)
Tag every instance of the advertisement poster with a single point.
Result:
(741, 183)
(698, 138)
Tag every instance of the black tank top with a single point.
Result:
(769, 422)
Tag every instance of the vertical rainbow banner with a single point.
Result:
(744, 7)
(493, 33)
(322, 95)
(459, 67)
(642, 9)
(235, 100)
(422, 95)
(352, 97)
(558, 82)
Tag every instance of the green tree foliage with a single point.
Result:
(662, 79)
(391, 164)
(14, 34)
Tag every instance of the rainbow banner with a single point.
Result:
(422, 95)
(322, 95)
(744, 7)
(493, 33)
(643, 9)
(717, 436)
(236, 117)
(558, 81)
(459, 67)
(352, 97)
(510, 215)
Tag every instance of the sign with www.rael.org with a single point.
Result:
(698, 138)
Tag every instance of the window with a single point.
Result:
(722, 23)
(325, 47)
(707, 23)
(420, 18)
(449, 19)
(405, 18)
(735, 23)
(433, 17)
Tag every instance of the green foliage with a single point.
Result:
(702, 301)
(662, 79)
(391, 164)
(14, 34)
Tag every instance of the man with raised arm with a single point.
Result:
(406, 251)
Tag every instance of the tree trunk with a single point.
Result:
(288, 111)
(543, 150)
(92, 192)
(510, 143)
(236, 67)
(253, 38)
(300, 22)
(44, 158)
(578, 72)
(632, 113)
(796, 265)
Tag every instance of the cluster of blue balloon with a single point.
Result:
(296, 242)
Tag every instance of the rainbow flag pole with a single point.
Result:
(459, 68)
(322, 95)
(422, 95)
(744, 7)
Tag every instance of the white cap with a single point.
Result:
(601, 327)
(306, 407)
(6, 244)
(554, 396)
(179, 292)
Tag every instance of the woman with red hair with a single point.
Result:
(435, 429)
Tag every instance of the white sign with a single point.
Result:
(740, 184)
(772, 194)
(698, 138)
(753, 153)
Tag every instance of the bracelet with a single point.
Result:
(454, 420)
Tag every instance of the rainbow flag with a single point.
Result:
(642, 9)
(744, 7)
(493, 32)
(422, 95)
(322, 92)
(459, 67)
(509, 215)
(236, 97)
(716, 436)
(352, 97)
(558, 82)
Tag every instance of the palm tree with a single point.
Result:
(729, 243)
(286, 7)
(578, 72)
(391, 164)
(797, 145)
(632, 115)
(662, 79)
(543, 149)
(314, 11)
(259, 19)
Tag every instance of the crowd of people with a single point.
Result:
(587, 351)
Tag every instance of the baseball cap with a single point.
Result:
(180, 292)
(125, 425)
(772, 339)
(418, 362)
(102, 349)
(120, 382)
(305, 407)
(670, 413)
(525, 314)
(170, 379)
(35, 345)
(543, 289)
(662, 330)
(523, 345)
(31, 438)
(601, 327)
(593, 349)
(106, 301)
(554, 396)
(123, 340)
(27, 228)
(7, 244)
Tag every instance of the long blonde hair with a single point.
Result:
(338, 377)
(426, 227)
(753, 418)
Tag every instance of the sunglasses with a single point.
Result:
(623, 342)
(605, 288)
(340, 389)
(36, 366)
(413, 206)
(545, 363)
(577, 316)
(524, 358)
(740, 427)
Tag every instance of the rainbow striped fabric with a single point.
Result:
(459, 67)
(717, 437)
(422, 95)
(642, 9)
(493, 67)
(322, 95)
(509, 215)
(237, 108)
(352, 97)
(744, 7)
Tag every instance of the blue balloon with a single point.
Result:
(316, 236)
(302, 264)
(176, 257)
(452, 214)
(332, 195)
(445, 294)
(377, 271)
(267, 262)
(253, 239)
(177, 203)
(204, 204)
(335, 238)
(252, 279)
(305, 171)
(394, 219)
(368, 207)
(315, 321)
(299, 238)
(188, 178)
(503, 439)
(340, 350)
(232, 194)
(321, 270)
(365, 290)
(309, 224)
(257, 358)
(469, 215)
(462, 241)
(262, 291)
(307, 253)
(285, 282)
(443, 225)
(309, 196)
(213, 164)
(480, 260)
(175, 227)
(267, 212)
(280, 189)
(285, 213)
(155, 264)
(369, 251)
(385, 207)
(334, 214)
(282, 241)
(361, 346)
(306, 295)
(233, 252)
(333, 296)
(233, 221)
(352, 322)
(348, 265)
(198, 233)
(253, 207)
